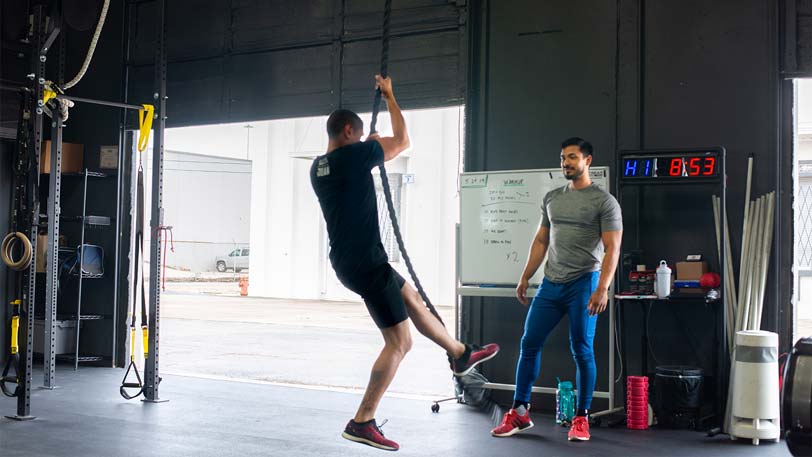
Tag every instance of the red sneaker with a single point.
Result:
(368, 433)
(579, 430)
(512, 424)
(477, 356)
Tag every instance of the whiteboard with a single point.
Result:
(500, 212)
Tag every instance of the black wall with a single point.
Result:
(256, 59)
(632, 75)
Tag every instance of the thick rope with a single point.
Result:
(91, 49)
(387, 191)
(376, 105)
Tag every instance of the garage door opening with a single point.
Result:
(802, 174)
(264, 224)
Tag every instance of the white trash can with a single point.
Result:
(755, 409)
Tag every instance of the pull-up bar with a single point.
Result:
(100, 102)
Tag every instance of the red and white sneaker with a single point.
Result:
(369, 433)
(579, 430)
(513, 423)
(476, 356)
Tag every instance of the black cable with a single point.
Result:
(387, 191)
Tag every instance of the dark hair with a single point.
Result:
(583, 145)
(340, 118)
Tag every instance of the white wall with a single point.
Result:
(288, 239)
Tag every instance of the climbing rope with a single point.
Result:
(91, 49)
(387, 14)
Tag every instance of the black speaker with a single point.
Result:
(797, 398)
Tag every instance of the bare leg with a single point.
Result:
(427, 324)
(397, 342)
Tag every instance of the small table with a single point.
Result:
(719, 336)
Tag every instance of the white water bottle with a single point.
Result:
(662, 286)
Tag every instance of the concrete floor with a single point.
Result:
(86, 417)
(300, 365)
(208, 330)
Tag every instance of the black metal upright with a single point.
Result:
(29, 210)
(52, 276)
(54, 204)
(151, 373)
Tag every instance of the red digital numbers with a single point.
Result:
(692, 166)
(676, 167)
(709, 167)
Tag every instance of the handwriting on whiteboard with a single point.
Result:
(474, 181)
(501, 211)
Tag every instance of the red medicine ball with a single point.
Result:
(710, 280)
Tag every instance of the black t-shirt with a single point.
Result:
(343, 183)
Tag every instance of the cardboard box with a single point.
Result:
(691, 270)
(72, 158)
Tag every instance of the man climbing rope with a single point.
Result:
(343, 183)
(578, 221)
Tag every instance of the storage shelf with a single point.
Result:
(88, 275)
(90, 174)
(81, 358)
(89, 220)
(72, 317)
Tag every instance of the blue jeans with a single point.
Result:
(551, 302)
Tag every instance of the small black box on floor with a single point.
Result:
(678, 396)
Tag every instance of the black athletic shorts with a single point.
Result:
(380, 289)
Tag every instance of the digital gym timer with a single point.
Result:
(671, 165)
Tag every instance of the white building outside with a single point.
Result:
(803, 201)
(206, 201)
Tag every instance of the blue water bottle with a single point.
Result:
(564, 403)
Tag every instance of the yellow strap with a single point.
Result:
(145, 337)
(47, 95)
(132, 343)
(144, 126)
(15, 331)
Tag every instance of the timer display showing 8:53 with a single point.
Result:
(703, 166)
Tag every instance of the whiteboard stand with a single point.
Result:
(602, 175)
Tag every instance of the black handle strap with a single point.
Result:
(7, 376)
(139, 277)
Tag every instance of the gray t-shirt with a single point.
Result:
(576, 219)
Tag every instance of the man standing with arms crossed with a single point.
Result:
(578, 221)
(343, 183)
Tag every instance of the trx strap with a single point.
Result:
(387, 12)
(139, 253)
(13, 360)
